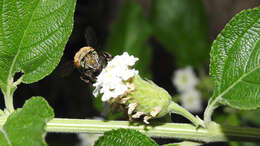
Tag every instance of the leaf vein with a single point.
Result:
(49, 34)
(6, 136)
(51, 13)
(251, 83)
(236, 82)
(234, 44)
(251, 53)
(19, 47)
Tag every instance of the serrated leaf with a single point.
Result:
(33, 34)
(26, 126)
(125, 137)
(129, 34)
(235, 62)
(184, 143)
(181, 27)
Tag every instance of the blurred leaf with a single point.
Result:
(125, 137)
(181, 27)
(231, 119)
(251, 116)
(26, 126)
(115, 115)
(33, 34)
(243, 144)
(129, 34)
(235, 62)
(97, 103)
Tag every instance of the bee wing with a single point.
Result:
(90, 36)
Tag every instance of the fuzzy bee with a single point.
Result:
(90, 61)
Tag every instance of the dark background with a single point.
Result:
(70, 97)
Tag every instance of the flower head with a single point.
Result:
(185, 79)
(112, 81)
(191, 100)
(120, 83)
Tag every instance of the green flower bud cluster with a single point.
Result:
(146, 100)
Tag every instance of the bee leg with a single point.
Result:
(85, 80)
(92, 78)
(108, 56)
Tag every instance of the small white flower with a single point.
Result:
(191, 100)
(185, 79)
(112, 81)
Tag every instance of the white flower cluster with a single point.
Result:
(112, 81)
(185, 81)
(191, 100)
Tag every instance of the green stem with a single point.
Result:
(9, 103)
(2, 113)
(8, 96)
(175, 108)
(213, 133)
(212, 105)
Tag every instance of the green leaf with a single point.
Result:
(26, 126)
(181, 27)
(235, 63)
(184, 143)
(125, 137)
(33, 34)
(129, 34)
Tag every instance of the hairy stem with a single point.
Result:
(175, 108)
(213, 133)
(212, 105)
(8, 95)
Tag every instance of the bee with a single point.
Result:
(90, 61)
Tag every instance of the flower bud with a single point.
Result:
(120, 83)
(147, 100)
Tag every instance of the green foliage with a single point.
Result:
(125, 137)
(26, 126)
(227, 119)
(33, 34)
(235, 62)
(181, 27)
(129, 34)
(251, 116)
(243, 144)
(184, 143)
